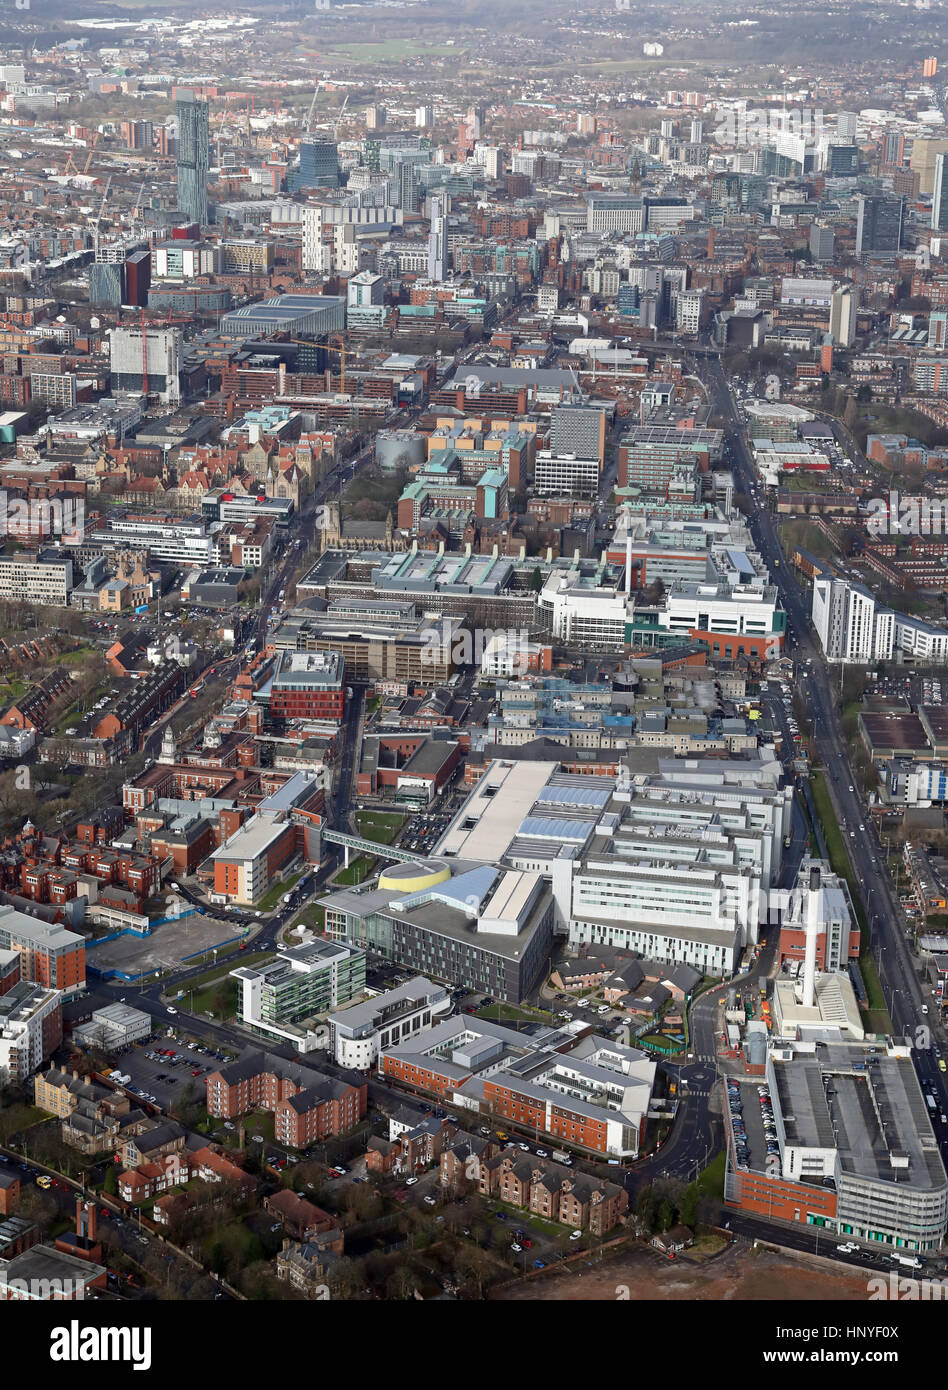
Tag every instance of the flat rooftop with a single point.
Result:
(865, 1101)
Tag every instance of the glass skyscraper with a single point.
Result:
(879, 226)
(318, 166)
(193, 158)
(940, 195)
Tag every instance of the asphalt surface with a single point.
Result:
(904, 994)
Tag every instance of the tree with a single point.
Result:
(536, 580)
(688, 1210)
(110, 1181)
(666, 1215)
(646, 1210)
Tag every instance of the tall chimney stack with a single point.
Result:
(813, 905)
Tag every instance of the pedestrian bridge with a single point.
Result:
(351, 842)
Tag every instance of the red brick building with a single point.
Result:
(307, 1105)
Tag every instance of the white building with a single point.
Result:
(149, 367)
(582, 614)
(30, 1029)
(738, 610)
(920, 640)
(610, 212)
(508, 654)
(690, 310)
(677, 864)
(328, 244)
(115, 1026)
(565, 475)
(851, 625)
(358, 1034)
(365, 288)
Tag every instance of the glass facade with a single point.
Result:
(193, 159)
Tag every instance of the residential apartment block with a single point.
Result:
(306, 1104)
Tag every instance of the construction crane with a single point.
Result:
(221, 116)
(308, 123)
(136, 212)
(98, 217)
(327, 346)
(335, 124)
(70, 165)
(95, 141)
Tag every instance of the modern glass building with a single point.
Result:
(193, 157)
(318, 166)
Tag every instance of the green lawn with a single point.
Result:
(357, 872)
(711, 1179)
(205, 1000)
(875, 1014)
(380, 826)
(395, 51)
(19, 1117)
(314, 918)
(237, 957)
(276, 891)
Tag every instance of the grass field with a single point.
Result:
(876, 1014)
(220, 972)
(394, 51)
(357, 872)
(711, 1180)
(313, 918)
(206, 1000)
(380, 826)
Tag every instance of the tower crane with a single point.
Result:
(336, 122)
(328, 346)
(308, 123)
(95, 141)
(136, 212)
(98, 217)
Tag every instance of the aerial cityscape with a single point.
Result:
(474, 633)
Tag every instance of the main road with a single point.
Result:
(896, 967)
